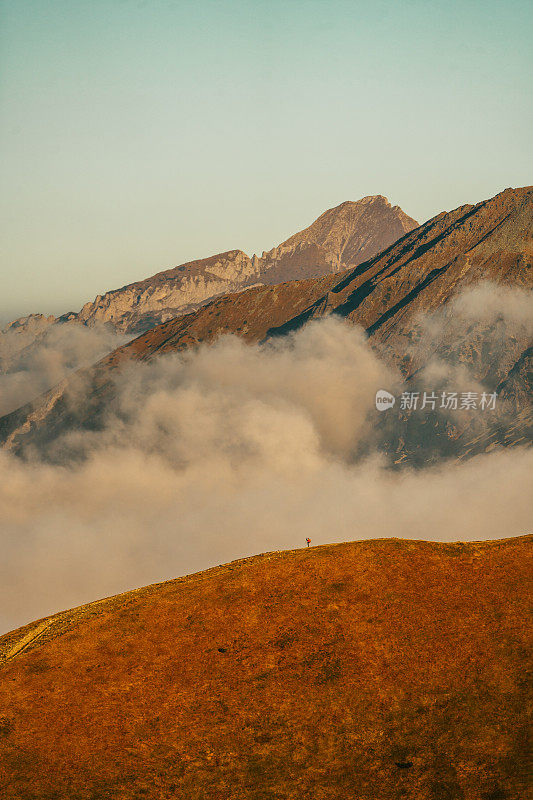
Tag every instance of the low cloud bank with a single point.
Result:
(227, 451)
(479, 334)
(33, 360)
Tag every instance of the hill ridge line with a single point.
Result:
(33, 631)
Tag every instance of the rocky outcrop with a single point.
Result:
(141, 305)
(341, 237)
(33, 323)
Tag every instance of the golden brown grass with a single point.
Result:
(368, 670)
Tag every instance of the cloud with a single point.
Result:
(35, 358)
(477, 336)
(231, 450)
(488, 303)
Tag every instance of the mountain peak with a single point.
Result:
(379, 199)
(355, 230)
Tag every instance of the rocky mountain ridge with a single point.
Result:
(341, 237)
(389, 295)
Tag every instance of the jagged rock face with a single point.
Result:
(33, 323)
(341, 237)
(382, 669)
(146, 303)
(387, 295)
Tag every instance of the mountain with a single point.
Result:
(389, 295)
(19, 335)
(419, 273)
(341, 237)
(386, 668)
(175, 291)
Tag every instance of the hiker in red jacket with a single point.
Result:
(308, 541)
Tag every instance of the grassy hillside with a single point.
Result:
(372, 670)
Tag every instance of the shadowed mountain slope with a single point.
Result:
(418, 274)
(388, 295)
(386, 668)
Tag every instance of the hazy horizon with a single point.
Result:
(137, 136)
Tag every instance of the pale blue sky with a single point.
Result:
(138, 135)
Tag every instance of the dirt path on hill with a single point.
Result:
(30, 637)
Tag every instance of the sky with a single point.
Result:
(139, 135)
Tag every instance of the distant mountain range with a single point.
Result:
(341, 237)
(388, 295)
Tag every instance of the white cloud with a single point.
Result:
(224, 452)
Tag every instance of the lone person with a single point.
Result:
(308, 540)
